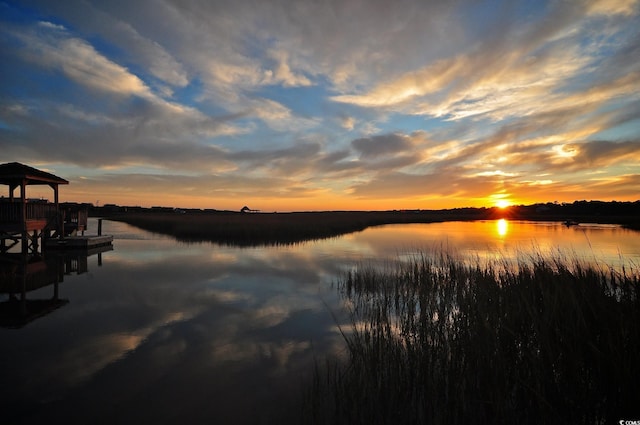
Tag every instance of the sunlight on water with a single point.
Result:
(502, 226)
(609, 245)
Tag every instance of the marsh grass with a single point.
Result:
(238, 229)
(438, 340)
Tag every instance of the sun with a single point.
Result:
(502, 203)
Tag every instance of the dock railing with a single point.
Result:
(12, 212)
(41, 215)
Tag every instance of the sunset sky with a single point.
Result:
(324, 105)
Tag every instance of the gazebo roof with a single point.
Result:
(13, 173)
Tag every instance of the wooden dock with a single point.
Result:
(31, 222)
(79, 242)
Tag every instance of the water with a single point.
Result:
(601, 245)
(158, 331)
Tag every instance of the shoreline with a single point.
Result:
(254, 229)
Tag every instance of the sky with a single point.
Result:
(286, 105)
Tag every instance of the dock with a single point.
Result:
(37, 223)
(79, 242)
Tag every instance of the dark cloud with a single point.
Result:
(382, 145)
(602, 153)
(147, 133)
(579, 157)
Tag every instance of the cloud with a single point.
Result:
(138, 49)
(376, 146)
(348, 123)
(450, 183)
(601, 153)
(500, 83)
(78, 60)
(625, 185)
(509, 72)
(142, 132)
(149, 53)
(318, 100)
(276, 115)
(282, 72)
(611, 7)
(246, 44)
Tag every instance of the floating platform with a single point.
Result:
(80, 242)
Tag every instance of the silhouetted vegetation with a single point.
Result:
(625, 213)
(247, 229)
(235, 228)
(438, 341)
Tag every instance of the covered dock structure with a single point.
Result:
(30, 222)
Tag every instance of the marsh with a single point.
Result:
(172, 332)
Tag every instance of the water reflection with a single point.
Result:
(187, 333)
(598, 244)
(198, 331)
(502, 226)
(23, 275)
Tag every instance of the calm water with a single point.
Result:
(158, 331)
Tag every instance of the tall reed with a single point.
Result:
(439, 340)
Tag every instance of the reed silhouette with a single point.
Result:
(440, 340)
(246, 229)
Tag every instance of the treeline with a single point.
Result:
(587, 208)
(625, 213)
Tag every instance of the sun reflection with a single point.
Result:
(503, 227)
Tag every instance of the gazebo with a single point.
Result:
(25, 219)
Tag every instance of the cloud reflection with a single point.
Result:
(215, 331)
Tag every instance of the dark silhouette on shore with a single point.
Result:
(259, 228)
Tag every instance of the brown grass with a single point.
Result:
(274, 228)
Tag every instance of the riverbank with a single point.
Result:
(247, 229)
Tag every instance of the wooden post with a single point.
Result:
(61, 217)
(23, 201)
(99, 227)
(23, 218)
(61, 234)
